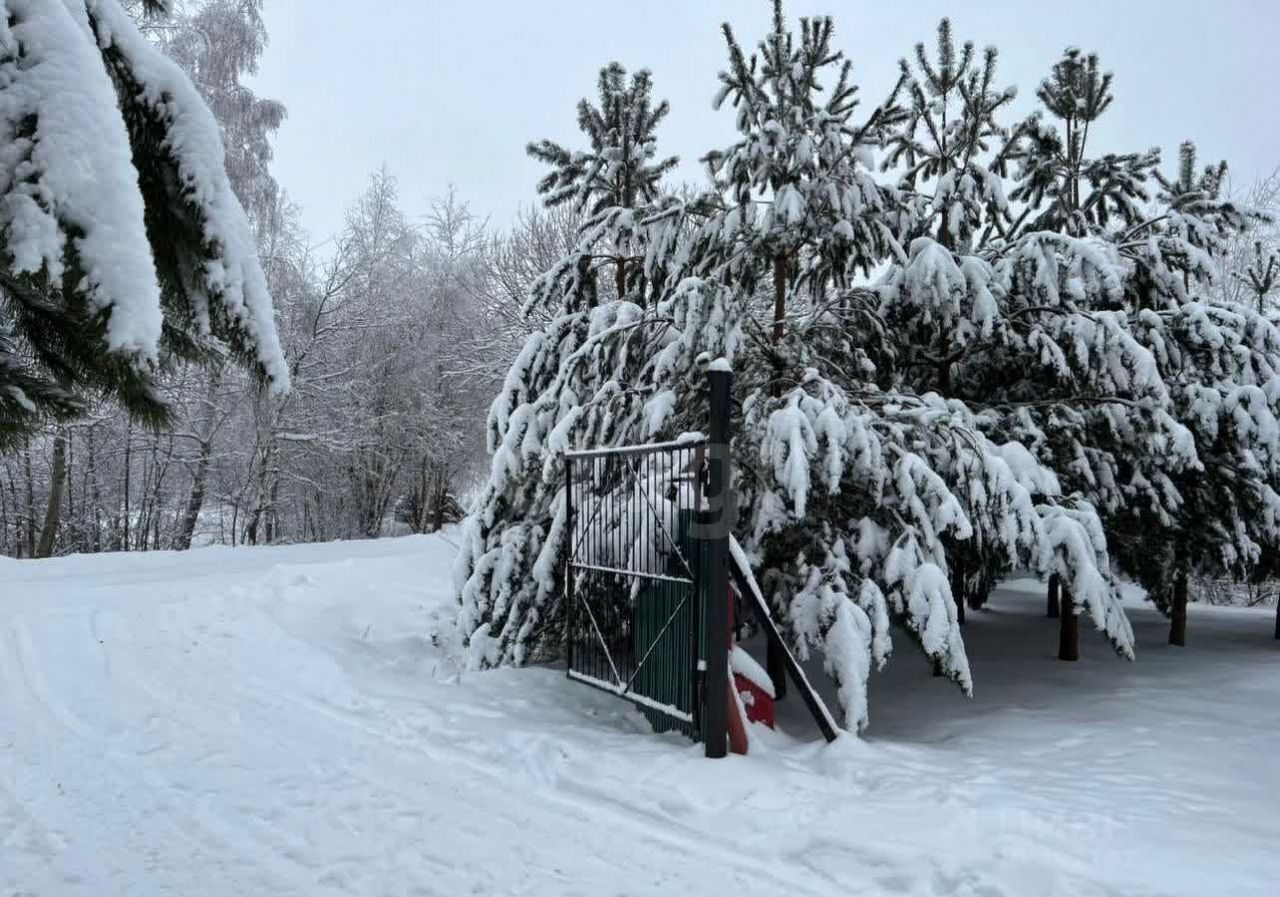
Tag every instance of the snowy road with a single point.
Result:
(279, 721)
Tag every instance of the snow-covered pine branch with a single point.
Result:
(119, 229)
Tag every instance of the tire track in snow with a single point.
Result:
(584, 805)
(400, 769)
(263, 706)
(263, 714)
(200, 830)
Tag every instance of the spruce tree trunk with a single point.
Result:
(779, 296)
(957, 590)
(1054, 584)
(57, 480)
(620, 276)
(978, 591)
(1278, 617)
(1069, 630)
(1178, 617)
(774, 660)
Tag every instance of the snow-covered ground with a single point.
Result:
(280, 721)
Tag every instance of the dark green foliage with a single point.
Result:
(52, 344)
(949, 135)
(177, 231)
(1064, 190)
(54, 351)
(620, 170)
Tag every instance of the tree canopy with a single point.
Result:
(962, 346)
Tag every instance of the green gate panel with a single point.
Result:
(669, 675)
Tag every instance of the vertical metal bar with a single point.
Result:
(629, 563)
(589, 540)
(714, 530)
(619, 582)
(610, 580)
(671, 653)
(569, 597)
(606, 578)
(606, 550)
(598, 580)
(696, 678)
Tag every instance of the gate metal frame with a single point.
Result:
(629, 546)
(690, 478)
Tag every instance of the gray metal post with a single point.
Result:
(716, 525)
(570, 598)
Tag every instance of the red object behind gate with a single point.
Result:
(757, 702)
(748, 696)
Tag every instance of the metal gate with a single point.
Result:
(647, 568)
(634, 574)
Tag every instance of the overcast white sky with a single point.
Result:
(449, 92)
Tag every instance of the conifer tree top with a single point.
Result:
(621, 169)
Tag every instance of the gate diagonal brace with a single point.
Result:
(662, 524)
(608, 655)
(657, 638)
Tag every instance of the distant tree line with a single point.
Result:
(396, 333)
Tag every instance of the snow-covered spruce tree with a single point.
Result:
(940, 150)
(995, 322)
(847, 490)
(801, 179)
(121, 241)
(618, 174)
(588, 376)
(1260, 276)
(1222, 361)
(1194, 492)
(951, 139)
